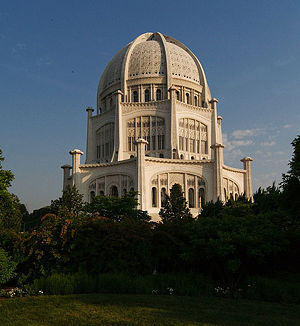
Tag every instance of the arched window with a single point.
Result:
(177, 95)
(135, 96)
(236, 196)
(147, 95)
(92, 195)
(201, 197)
(187, 98)
(196, 101)
(124, 191)
(191, 198)
(181, 156)
(114, 191)
(154, 197)
(163, 197)
(192, 158)
(158, 95)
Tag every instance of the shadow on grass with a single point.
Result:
(112, 309)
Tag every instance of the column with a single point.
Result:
(218, 168)
(247, 177)
(90, 146)
(66, 177)
(76, 153)
(140, 164)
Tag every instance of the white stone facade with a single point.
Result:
(156, 124)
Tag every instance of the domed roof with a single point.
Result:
(153, 55)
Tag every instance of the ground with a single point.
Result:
(143, 310)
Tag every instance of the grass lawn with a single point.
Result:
(113, 309)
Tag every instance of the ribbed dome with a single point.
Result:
(152, 55)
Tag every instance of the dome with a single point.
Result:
(152, 55)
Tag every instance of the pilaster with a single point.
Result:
(140, 164)
(90, 150)
(76, 153)
(247, 177)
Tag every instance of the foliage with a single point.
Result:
(291, 182)
(10, 207)
(71, 200)
(175, 207)
(117, 208)
(7, 267)
(121, 247)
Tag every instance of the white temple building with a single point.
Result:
(156, 124)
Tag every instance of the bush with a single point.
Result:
(7, 267)
(274, 289)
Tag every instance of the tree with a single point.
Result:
(291, 181)
(71, 200)
(117, 208)
(10, 214)
(175, 207)
(7, 267)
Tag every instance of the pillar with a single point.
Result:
(90, 148)
(247, 177)
(218, 168)
(140, 164)
(118, 136)
(66, 178)
(76, 153)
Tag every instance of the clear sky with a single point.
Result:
(52, 54)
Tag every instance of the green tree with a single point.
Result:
(71, 200)
(116, 208)
(291, 181)
(7, 267)
(175, 207)
(10, 214)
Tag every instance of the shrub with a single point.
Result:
(7, 267)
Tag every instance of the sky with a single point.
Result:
(52, 55)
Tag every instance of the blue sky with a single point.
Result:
(52, 54)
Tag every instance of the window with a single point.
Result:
(201, 197)
(92, 195)
(135, 96)
(114, 191)
(236, 196)
(124, 192)
(147, 95)
(101, 193)
(163, 197)
(154, 197)
(187, 98)
(196, 101)
(177, 95)
(158, 95)
(191, 198)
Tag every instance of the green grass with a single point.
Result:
(140, 310)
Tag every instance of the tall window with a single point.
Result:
(135, 96)
(191, 198)
(201, 197)
(163, 197)
(151, 128)
(187, 98)
(147, 95)
(114, 191)
(154, 197)
(105, 142)
(193, 136)
(196, 101)
(158, 95)
(177, 95)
